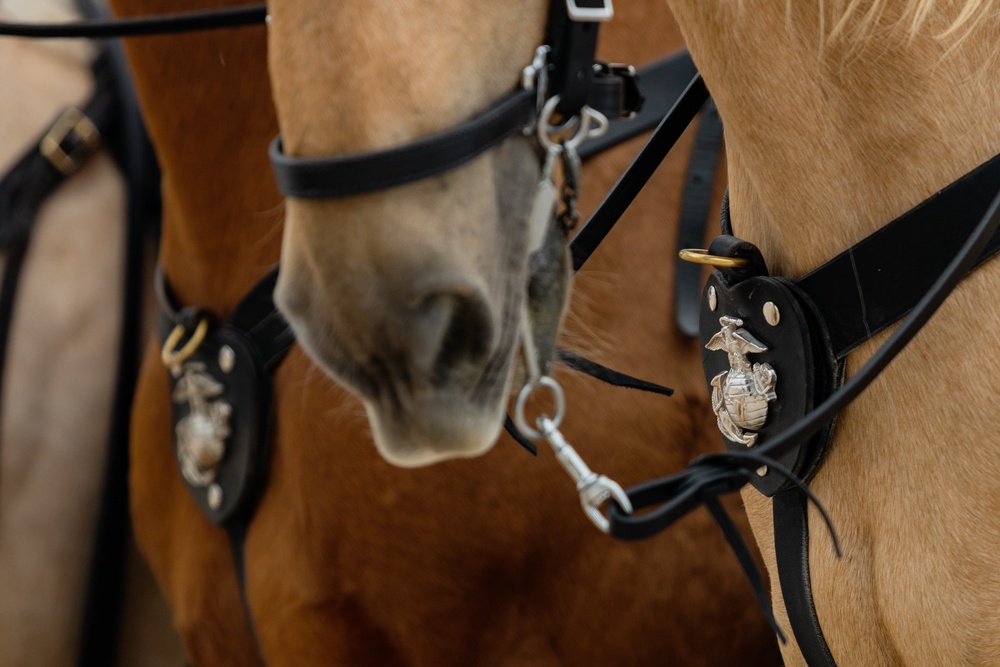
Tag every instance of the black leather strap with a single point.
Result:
(609, 375)
(573, 45)
(696, 202)
(635, 177)
(746, 560)
(514, 432)
(262, 323)
(596, 371)
(910, 264)
(868, 287)
(659, 503)
(791, 545)
(236, 532)
(358, 173)
(146, 25)
(571, 70)
(710, 476)
(663, 83)
(972, 195)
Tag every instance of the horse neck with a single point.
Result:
(207, 105)
(830, 134)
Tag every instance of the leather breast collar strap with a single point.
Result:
(658, 503)
(824, 315)
(221, 392)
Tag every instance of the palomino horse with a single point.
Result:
(900, 99)
(839, 115)
(349, 560)
(60, 372)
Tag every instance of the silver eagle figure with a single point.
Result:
(741, 394)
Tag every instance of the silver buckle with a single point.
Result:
(590, 14)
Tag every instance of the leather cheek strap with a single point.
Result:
(359, 173)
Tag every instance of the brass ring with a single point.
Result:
(701, 256)
(172, 357)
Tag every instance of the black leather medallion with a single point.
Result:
(227, 361)
(774, 370)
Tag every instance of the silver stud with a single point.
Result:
(227, 358)
(762, 471)
(771, 314)
(215, 496)
(713, 299)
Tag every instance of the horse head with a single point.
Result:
(412, 296)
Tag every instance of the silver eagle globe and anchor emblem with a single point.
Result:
(741, 394)
(202, 433)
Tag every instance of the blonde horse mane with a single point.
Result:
(863, 20)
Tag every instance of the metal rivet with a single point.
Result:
(713, 300)
(215, 496)
(227, 358)
(771, 314)
(762, 471)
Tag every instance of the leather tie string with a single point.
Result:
(702, 483)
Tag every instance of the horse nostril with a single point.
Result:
(458, 329)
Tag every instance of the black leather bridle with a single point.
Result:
(571, 76)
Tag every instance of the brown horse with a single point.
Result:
(900, 100)
(348, 559)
